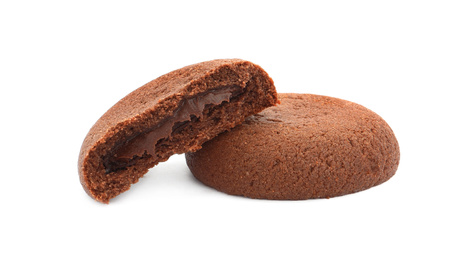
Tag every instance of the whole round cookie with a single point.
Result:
(309, 146)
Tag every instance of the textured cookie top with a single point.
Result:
(309, 146)
(304, 116)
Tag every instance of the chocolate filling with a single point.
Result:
(144, 144)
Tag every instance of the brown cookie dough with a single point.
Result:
(309, 146)
(175, 113)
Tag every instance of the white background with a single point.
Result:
(63, 64)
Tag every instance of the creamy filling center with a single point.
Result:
(145, 143)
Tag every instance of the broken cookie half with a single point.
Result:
(175, 113)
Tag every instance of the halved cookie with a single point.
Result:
(175, 113)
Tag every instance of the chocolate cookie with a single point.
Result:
(175, 113)
(309, 146)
